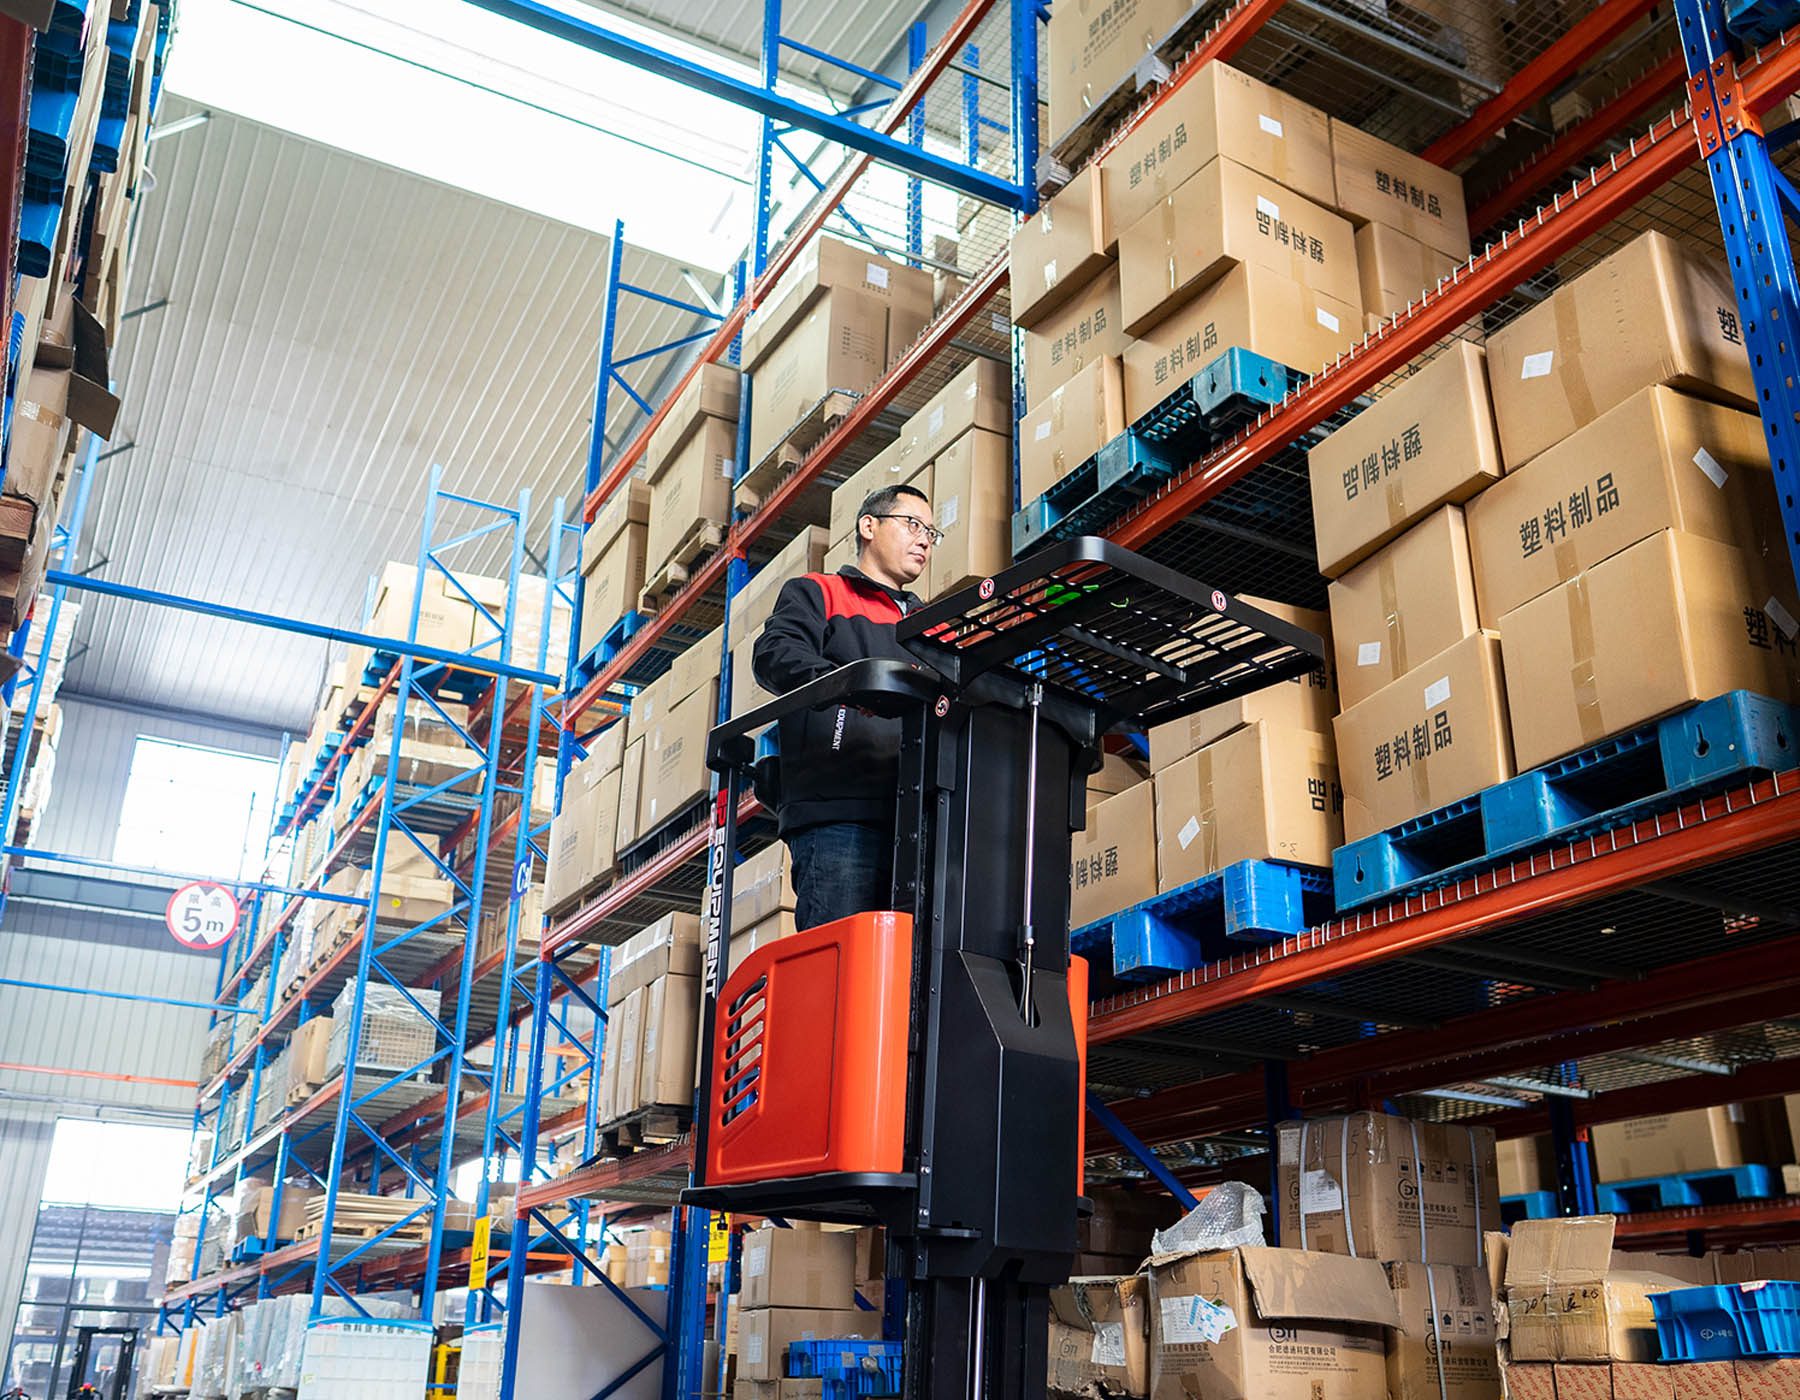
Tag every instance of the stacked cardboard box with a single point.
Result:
(664, 770)
(750, 609)
(646, 1256)
(1701, 1139)
(653, 1008)
(584, 834)
(690, 464)
(1417, 1197)
(762, 900)
(1774, 1379)
(1100, 1337)
(612, 562)
(838, 318)
(797, 1285)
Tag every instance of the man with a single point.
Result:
(840, 765)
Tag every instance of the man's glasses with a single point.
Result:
(917, 528)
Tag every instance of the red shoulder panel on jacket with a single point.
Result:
(843, 598)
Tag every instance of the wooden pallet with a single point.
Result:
(696, 545)
(365, 1217)
(653, 1126)
(762, 479)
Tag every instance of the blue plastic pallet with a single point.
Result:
(1530, 1205)
(1725, 1322)
(1760, 21)
(1248, 901)
(1703, 748)
(1721, 1184)
(1202, 410)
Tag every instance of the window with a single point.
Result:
(192, 810)
(99, 1251)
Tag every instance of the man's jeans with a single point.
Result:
(840, 868)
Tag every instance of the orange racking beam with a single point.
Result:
(1540, 77)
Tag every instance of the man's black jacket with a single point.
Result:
(838, 764)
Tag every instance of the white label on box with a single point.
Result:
(935, 424)
(1188, 832)
(1369, 654)
(1049, 267)
(876, 276)
(1327, 320)
(1710, 465)
(728, 468)
(947, 516)
(1268, 124)
(1781, 617)
(999, 321)
(1109, 1344)
(753, 1349)
(1536, 366)
(1186, 1321)
(1319, 1191)
(756, 1259)
(1268, 206)
(1437, 693)
(1041, 432)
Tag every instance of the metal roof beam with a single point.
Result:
(912, 160)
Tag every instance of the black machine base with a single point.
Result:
(831, 1198)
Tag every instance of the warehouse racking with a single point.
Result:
(1579, 962)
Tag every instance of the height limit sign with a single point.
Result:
(202, 915)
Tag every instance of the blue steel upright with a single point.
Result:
(420, 685)
(1755, 202)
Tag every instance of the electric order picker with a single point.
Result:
(923, 1067)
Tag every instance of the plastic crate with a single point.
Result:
(848, 1366)
(1722, 1322)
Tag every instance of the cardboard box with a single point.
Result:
(671, 944)
(1564, 1300)
(804, 554)
(671, 1033)
(1414, 599)
(826, 267)
(747, 693)
(1776, 1379)
(1224, 215)
(444, 621)
(1249, 307)
(1113, 863)
(1257, 794)
(980, 397)
(1219, 112)
(306, 1052)
(1116, 773)
(1395, 269)
(762, 885)
(1276, 1324)
(1527, 1164)
(841, 343)
(714, 392)
(1704, 1380)
(1452, 710)
(631, 788)
(1381, 183)
(613, 556)
(770, 929)
(1429, 441)
(693, 488)
(1100, 1337)
(1070, 426)
(675, 772)
(972, 480)
(798, 1268)
(1665, 1143)
(1391, 1165)
(1659, 460)
(1086, 328)
(1444, 1347)
(1673, 619)
(1060, 249)
(764, 1335)
(1655, 312)
(1306, 703)
(583, 836)
(625, 1043)
(1093, 45)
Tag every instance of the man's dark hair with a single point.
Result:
(883, 500)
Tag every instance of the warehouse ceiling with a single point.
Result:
(324, 330)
